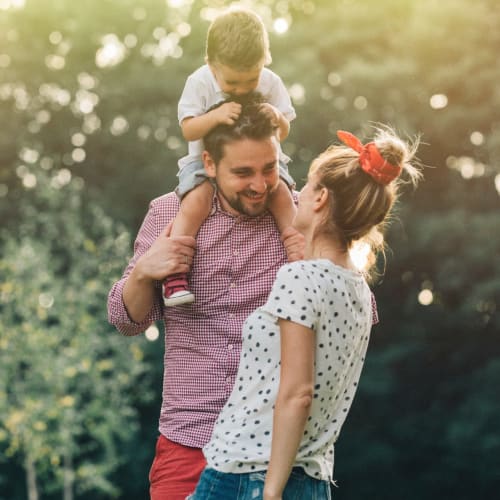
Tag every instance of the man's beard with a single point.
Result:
(236, 203)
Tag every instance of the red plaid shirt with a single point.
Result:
(233, 270)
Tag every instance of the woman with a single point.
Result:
(303, 351)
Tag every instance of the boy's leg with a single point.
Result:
(194, 209)
(175, 470)
(282, 206)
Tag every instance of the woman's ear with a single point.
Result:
(321, 198)
(209, 164)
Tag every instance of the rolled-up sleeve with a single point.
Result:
(117, 312)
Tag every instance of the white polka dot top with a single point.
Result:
(334, 302)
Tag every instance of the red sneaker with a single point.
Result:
(176, 291)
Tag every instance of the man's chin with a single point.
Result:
(255, 208)
(251, 209)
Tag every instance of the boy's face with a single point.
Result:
(236, 82)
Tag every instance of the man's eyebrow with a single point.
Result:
(241, 169)
(270, 165)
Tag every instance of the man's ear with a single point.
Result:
(209, 164)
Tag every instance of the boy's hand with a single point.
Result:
(272, 112)
(227, 113)
(277, 119)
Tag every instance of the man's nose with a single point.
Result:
(259, 184)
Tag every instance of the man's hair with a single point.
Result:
(238, 39)
(255, 122)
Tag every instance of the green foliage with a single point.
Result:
(68, 382)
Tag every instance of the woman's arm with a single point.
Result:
(293, 403)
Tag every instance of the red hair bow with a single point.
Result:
(370, 159)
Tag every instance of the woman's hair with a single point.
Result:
(238, 39)
(359, 205)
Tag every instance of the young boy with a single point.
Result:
(237, 49)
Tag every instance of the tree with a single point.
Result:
(68, 382)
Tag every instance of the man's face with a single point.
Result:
(246, 175)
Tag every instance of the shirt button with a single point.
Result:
(231, 315)
(230, 347)
(236, 252)
(232, 285)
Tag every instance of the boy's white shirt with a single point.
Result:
(202, 91)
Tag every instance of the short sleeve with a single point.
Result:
(278, 96)
(292, 298)
(192, 101)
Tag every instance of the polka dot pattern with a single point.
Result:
(336, 304)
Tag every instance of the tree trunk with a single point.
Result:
(69, 477)
(31, 487)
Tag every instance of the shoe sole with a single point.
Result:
(178, 301)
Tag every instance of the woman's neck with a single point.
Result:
(330, 249)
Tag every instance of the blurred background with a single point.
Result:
(89, 134)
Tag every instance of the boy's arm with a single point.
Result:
(284, 126)
(196, 127)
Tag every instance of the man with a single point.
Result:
(238, 252)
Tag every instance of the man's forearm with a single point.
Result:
(138, 296)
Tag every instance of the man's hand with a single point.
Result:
(294, 243)
(227, 113)
(166, 256)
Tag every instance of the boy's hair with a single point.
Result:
(254, 122)
(238, 39)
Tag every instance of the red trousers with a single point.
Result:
(175, 470)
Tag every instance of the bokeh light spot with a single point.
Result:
(29, 181)
(360, 102)
(425, 297)
(78, 155)
(477, 138)
(46, 300)
(438, 101)
(280, 26)
(360, 253)
(334, 79)
(55, 37)
(152, 333)
(78, 139)
(119, 126)
(297, 93)
(111, 53)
